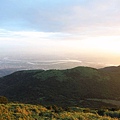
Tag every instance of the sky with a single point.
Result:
(61, 29)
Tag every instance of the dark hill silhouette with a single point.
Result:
(63, 87)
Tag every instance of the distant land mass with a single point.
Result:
(79, 86)
(9, 65)
(7, 71)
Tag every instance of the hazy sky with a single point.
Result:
(88, 29)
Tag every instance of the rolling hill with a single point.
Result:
(62, 87)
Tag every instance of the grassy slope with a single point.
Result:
(14, 111)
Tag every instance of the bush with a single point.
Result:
(3, 100)
(101, 112)
(113, 114)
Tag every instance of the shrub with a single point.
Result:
(113, 114)
(3, 100)
(101, 112)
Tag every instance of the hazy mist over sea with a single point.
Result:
(22, 62)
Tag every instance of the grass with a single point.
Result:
(15, 111)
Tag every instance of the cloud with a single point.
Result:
(54, 62)
(60, 15)
(32, 42)
(62, 27)
(58, 43)
(20, 34)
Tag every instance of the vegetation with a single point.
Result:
(19, 111)
(3, 100)
(51, 94)
(70, 87)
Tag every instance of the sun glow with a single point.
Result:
(106, 44)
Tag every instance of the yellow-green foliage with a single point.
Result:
(20, 111)
(82, 116)
(36, 112)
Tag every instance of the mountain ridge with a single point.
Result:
(67, 87)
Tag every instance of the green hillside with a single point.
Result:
(62, 87)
